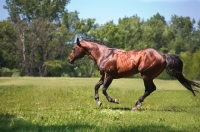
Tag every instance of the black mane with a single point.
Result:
(95, 41)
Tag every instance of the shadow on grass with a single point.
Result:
(148, 128)
(171, 109)
(150, 109)
(115, 108)
(10, 123)
(164, 109)
(122, 108)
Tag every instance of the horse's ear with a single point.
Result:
(78, 42)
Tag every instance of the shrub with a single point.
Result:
(16, 73)
(6, 72)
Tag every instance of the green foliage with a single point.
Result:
(130, 32)
(196, 65)
(187, 59)
(41, 32)
(8, 52)
(58, 68)
(192, 70)
(84, 67)
(84, 26)
(29, 10)
(67, 104)
(6, 72)
(164, 75)
(191, 64)
(16, 73)
(182, 28)
(53, 68)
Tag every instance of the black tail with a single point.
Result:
(174, 67)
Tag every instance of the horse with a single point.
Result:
(115, 63)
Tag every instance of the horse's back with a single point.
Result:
(143, 61)
(151, 62)
(137, 56)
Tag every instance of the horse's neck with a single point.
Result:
(97, 53)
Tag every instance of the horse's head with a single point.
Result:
(77, 52)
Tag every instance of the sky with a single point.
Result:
(111, 10)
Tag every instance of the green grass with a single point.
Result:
(67, 104)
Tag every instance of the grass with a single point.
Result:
(67, 104)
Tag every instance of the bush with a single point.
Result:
(64, 75)
(16, 73)
(58, 68)
(54, 68)
(6, 72)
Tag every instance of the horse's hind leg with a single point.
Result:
(149, 88)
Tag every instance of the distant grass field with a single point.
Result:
(67, 104)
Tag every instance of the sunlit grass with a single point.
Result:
(67, 104)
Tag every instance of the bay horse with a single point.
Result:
(116, 63)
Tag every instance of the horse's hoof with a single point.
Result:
(134, 108)
(99, 103)
(116, 101)
(137, 106)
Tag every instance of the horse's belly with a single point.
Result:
(127, 73)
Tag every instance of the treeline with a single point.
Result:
(38, 36)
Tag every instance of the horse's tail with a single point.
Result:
(174, 67)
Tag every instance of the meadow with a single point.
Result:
(31, 104)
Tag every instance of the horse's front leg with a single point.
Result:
(96, 88)
(107, 81)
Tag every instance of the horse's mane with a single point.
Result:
(95, 41)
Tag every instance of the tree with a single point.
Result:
(191, 64)
(195, 68)
(39, 31)
(182, 28)
(109, 34)
(8, 52)
(195, 41)
(152, 32)
(29, 10)
(84, 28)
(130, 32)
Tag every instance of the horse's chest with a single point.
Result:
(108, 66)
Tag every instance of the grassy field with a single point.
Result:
(67, 104)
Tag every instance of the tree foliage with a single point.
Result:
(39, 35)
(39, 32)
(8, 53)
